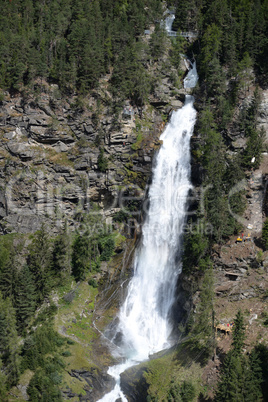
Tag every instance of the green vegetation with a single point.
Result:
(201, 327)
(241, 375)
(228, 58)
(88, 251)
(231, 54)
(102, 161)
(52, 263)
(62, 252)
(39, 262)
(137, 144)
(40, 353)
(175, 376)
(58, 40)
(9, 342)
(265, 234)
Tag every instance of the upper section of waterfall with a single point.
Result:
(168, 22)
(191, 79)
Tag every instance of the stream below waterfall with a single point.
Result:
(145, 324)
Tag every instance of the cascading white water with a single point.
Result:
(144, 318)
(191, 79)
(168, 22)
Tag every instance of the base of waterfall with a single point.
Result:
(129, 378)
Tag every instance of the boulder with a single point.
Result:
(133, 383)
(48, 136)
(89, 129)
(60, 147)
(147, 159)
(99, 383)
(263, 113)
(39, 119)
(22, 150)
(45, 108)
(176, 104)
(240, 143)
(22, 222)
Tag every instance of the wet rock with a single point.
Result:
(68, 394)
(134, 384)
(176, 104)
(147, 159)
(100, 383)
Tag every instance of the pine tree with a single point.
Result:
(238, 375)
(262, 353)
(230, 386)
(25, 297)
(102, 161)
(245, 72)
(39, 262)
(3, 389)
(187, 391)
(9, 343)
(42, 388)
(202, 330)
(7, 271)
(253, 379)
(254, 148)
(265, 234)
(211, 45)
(238, 334)
(81, 256)
(157, 42)
(195, 248)
(61, 255)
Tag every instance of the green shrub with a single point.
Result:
(187, 391)
(66, 353)
(43, 341)
(265, 235)
(92, 282)
(107, 246)
(102, 161)
(121, 216)
(44, 384)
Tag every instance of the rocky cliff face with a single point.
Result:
(52, 167)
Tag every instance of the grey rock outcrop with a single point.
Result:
(263, 113)
(49, 157)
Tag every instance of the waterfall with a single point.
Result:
(168, 22)
(191, 79)
(144, 319)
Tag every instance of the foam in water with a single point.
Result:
(191, 79)
(144, 318)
